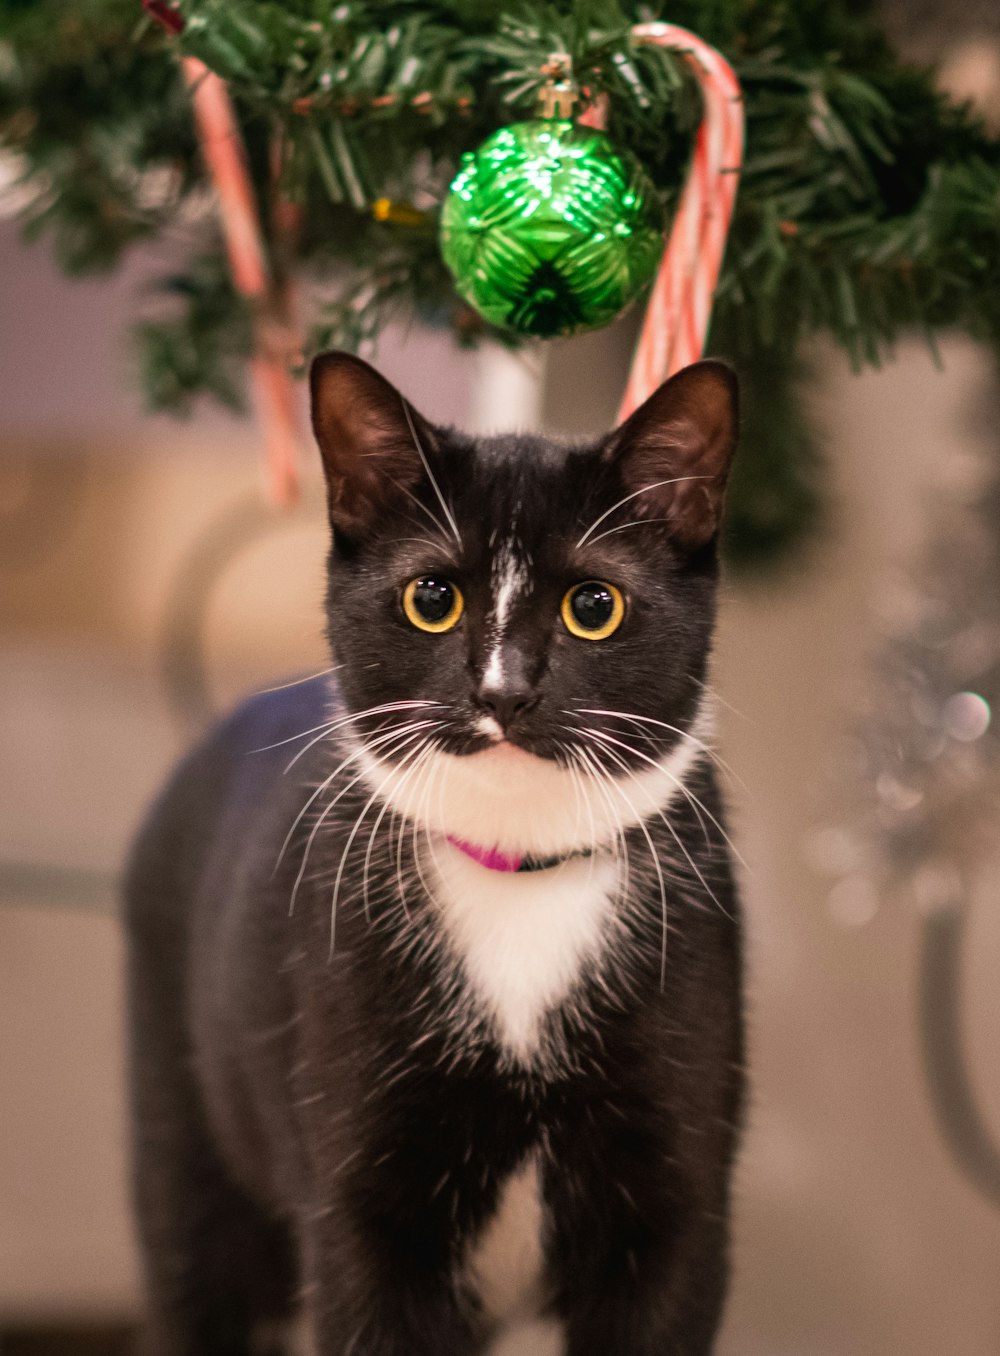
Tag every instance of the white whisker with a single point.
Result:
(692, 799)
(698, 805)
(297, 682)
(430, 476)
(355, 753)
(663, 725)
(423, 509)
(707, 687)
(347, 849)
(419, 824)
(636, 522)
(596, 775)
(435, 781)
(435, 546)
(415, 734)
(422, 753)
(387, 708)
(670, 828)
(658, 484)
(641, 825)
(334, 722)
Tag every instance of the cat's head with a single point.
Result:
(528, 622)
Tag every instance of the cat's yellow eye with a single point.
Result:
(593, 610)
(432, 604)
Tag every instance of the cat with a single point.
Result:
(434, 960)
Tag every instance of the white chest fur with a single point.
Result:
(505, 1266)
(525, 939)
(506, 1271)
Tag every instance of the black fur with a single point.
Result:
(313, 1126)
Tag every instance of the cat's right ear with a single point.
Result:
(674, 453)
(370, 438)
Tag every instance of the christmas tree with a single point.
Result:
(869, 203)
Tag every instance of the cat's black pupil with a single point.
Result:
(434, 599)
(592, 606)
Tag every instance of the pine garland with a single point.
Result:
(869, 205)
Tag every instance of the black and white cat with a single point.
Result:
(435, 966)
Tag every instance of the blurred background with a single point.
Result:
(137, 556)
(145, 585)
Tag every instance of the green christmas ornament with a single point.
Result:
(550, 229)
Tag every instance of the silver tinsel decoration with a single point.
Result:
(924, 783)
(925, 770)
(925, 764)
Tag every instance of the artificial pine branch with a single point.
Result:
(869, 204)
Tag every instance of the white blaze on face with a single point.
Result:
(509, 576)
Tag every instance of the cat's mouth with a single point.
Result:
(501, 744)
(502, 747)
(502, 751)
(491, 728)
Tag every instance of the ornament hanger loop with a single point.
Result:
(558, 96)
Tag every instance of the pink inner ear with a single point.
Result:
(684, 484)
(679, 444)
(366, 437)
(696, 509)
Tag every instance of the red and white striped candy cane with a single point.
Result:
(275, 345)
(274, 390)
(680, 304)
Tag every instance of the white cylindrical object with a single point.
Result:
(508, 389)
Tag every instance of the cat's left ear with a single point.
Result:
(675, 451)
(371, 439)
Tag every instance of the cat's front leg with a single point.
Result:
(372, 1295)
(662, 1299)
(640, 1233)
(410, 1325)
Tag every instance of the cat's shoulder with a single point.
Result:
(266, 719)
(244, 750)
(266, 726)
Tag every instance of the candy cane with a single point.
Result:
(225, 157)
(274, 392)
(680, 304)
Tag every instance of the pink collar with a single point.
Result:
(495, 860)
(492, 858)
